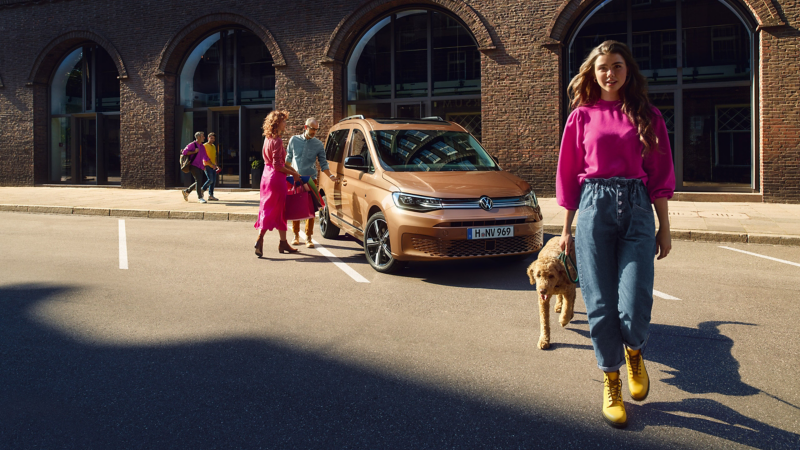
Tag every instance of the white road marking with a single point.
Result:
(761, 256)
(123, 246)
(664, 296)
(336, 261)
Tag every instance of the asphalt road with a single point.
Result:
(199, 344)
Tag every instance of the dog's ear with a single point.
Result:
(531, 271)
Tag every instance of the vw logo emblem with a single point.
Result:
(485, 203)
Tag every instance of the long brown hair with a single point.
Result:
(584, 90)
(272, 121)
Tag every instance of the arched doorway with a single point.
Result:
(416, 63)
(698, 59)
(227, 86)
(85, 119)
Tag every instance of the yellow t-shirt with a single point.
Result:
(211, 151)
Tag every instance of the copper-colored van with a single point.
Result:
(423, 189)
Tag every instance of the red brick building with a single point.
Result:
(107, 92)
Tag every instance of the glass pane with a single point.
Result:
(229, 46)
(465, 112)
(717, 137)
(665, 103)
(653, 42)
(192, 123)
(371, 110)
(88, 58)
(369, 69)
(411, 54)
(608, 22)
(717, 45)
(87, 150)
(107, 88)
(430, 150)
(200, 75)
(456, 59)
(410, 111)
(228, 148)
(60, 161)
(112, 148)
(66, 92)
(256, 74)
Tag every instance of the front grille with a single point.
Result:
(480, 223)
(482, 247)
(473, 203)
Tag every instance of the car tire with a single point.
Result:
(328, 229)
(377, 247)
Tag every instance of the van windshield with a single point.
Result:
(430, 151)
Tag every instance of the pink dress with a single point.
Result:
(273, 187)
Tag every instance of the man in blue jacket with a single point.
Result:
(302, 153)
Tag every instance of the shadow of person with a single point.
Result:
(713, 418)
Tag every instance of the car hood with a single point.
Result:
(458, 184)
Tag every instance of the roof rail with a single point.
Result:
(357, 116)
(436, 118)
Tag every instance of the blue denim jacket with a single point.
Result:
(303, 153)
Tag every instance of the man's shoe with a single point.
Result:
(296, 240)
(638, 381)
(613, 407)
(309, 242)
(185, 196)
(202, 200)
(211, 197)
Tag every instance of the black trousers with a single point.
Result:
(198, 181)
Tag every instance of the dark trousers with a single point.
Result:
(198, 181)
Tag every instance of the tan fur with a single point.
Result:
(550, 278)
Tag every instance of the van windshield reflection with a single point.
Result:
(430, 151)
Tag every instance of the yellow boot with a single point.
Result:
(638, 381)
(613, 407)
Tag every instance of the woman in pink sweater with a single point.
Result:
(615, 161)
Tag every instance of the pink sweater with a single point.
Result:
(600, 142)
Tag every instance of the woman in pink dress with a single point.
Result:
(273, 183)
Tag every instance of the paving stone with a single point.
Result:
(84, 211)
(196, 215)
(50, 209)
(215, 216)
(130, 213)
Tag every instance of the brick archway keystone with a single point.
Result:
(170, 58)
(55, 49)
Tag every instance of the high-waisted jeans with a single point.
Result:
(615, 246)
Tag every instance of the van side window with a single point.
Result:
(359, 147)
(334, 147)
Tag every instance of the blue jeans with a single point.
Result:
(615, 246)
(211, 174)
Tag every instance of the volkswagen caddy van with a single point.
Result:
(422, 190)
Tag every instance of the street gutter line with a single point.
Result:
(761, 256)
(664, 296)
(336, 261)
(123, 246)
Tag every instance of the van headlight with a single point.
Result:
(416, 202)
(530, 199)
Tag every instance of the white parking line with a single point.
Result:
(664, 296)
(336, 261)
(761, 256)
(123, 246)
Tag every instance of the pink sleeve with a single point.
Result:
(570, 163)
(278, 153)
(658, 164)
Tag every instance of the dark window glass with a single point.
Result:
(256, 73)
(369, 72)
(359, 147)
(370, 110)
(205, 79)
(430, 150)
(653, 42)
(465, 112)
(111, 147)
(334, 148)
(456, 59)
(609, 22)
(717, 44)
(228, 72)
(107, 87)
(411, 54)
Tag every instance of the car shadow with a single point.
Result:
(63, 392)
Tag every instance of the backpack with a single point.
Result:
(187, 160)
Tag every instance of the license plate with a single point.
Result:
(490, 232)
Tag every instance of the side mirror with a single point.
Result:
(355, 162)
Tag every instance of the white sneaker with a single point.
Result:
(202, 200)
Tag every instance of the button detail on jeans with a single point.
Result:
(620, 203)
(619, 211)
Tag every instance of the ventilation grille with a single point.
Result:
(483, 247)
(480, 223)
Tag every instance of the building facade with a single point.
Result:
(107, 92)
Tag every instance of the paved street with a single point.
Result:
(199, 344)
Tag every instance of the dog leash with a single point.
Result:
(565, 259)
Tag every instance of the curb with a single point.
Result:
(679, 235)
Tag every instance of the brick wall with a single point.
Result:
(522, 80)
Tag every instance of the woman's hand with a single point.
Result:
(565, 242)
(663, 242)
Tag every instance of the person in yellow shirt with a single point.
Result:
(211, 168)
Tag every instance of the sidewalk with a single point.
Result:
(760, 223)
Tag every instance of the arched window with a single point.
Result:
(227, 86)
(416, 63)
(698, 59)
(84, 119)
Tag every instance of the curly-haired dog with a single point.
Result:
(550, 277)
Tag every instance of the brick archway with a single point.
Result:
(370, 10)
(764, 12)
(57, 48)
(170, 58)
